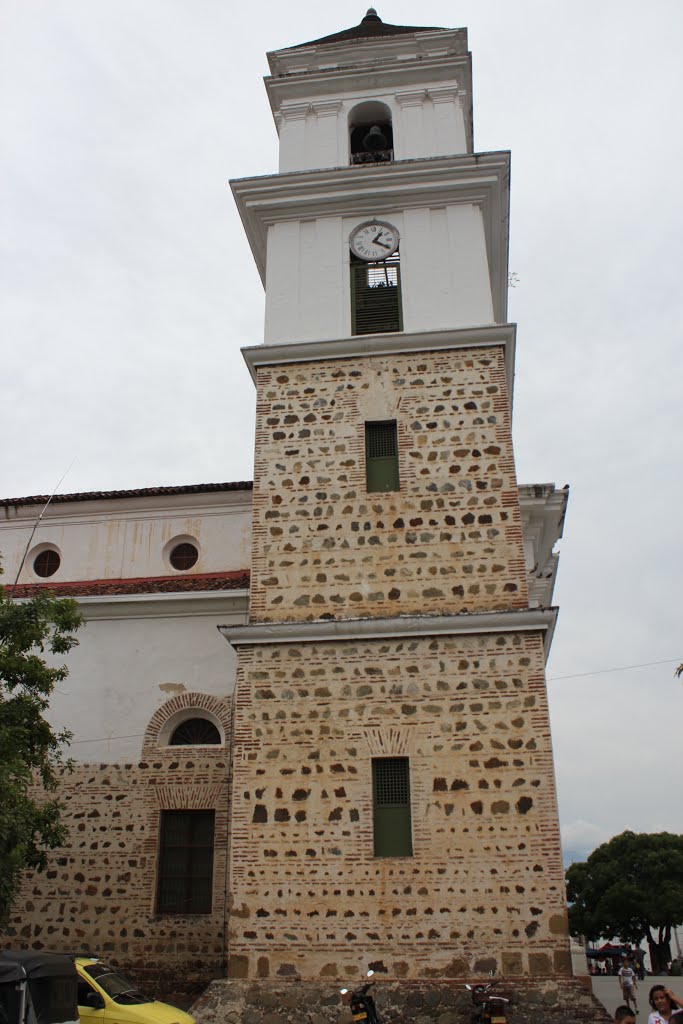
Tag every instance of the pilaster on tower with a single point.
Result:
(393, 790)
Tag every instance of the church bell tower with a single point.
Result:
(393, 797)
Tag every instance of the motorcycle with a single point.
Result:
(489, 1009)
(361, 1004)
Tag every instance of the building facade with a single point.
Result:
(373, 781)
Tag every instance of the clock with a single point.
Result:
(374, 240)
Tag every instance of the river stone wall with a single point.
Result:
(551, 1001)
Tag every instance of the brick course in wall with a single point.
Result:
(98, 894)
(449, 541)
(484, 889)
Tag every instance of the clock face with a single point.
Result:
(374, 240)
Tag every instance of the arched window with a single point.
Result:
(195, 732)
(371, 137)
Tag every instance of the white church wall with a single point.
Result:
(125, 668)
(98, 540)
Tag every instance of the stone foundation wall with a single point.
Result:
(484, 889)
(552, 1001)
(449, 541)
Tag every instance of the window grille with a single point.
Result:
(46, 563)
(376, 296)
(185, 876)
(392, 824)
(195, 732)
(381, 456)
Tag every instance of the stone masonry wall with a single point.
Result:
(484, 889)
(551, 1000)
(449, 541)
(98, 894)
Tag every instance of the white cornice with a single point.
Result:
(385, 75)
(363, 345)
(528, 620)
(164, 606)
(381, 189)
(326, 55)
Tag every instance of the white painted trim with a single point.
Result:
(376, 190)
(542, 619)
(363, 345)
(162, 606)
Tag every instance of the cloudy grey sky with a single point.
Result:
(127, 289)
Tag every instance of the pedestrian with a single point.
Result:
(665, 1006)
(624, 1015)
(628, 983)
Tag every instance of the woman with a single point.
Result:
(664, 1005)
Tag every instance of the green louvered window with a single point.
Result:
(185, 876)
(376, 296)
(381, 456)
(391, 807)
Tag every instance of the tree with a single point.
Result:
(629, 888)
(31, 752)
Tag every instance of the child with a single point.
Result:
(627, 982)
(624, 1015)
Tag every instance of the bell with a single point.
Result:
(375, 140)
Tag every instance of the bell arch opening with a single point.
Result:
(371, 136)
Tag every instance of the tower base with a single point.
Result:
(554, 1000)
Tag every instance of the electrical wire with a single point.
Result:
(618, 668)
(550, 679)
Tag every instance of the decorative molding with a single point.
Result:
(295, 111)
(411, 98)
(164, 606)
(327, 108)
(184, 797)
(445, 94)
(526, 620)
(393, 741)
(364, 345)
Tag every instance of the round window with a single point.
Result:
(183, 556)
(46, 563)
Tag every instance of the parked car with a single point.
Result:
(37, 987)
(106, 997)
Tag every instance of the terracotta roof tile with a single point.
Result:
(238, 580)
(136, 492)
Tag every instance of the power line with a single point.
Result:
(619, 668)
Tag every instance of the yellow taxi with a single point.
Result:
(106, 997)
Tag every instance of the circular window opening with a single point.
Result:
(183, 556)
(195, 732)
(46, 563)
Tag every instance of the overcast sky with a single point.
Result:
(127, 289)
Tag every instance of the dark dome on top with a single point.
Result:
(371, 27)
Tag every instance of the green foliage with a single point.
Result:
(628, 887)
(30, 750)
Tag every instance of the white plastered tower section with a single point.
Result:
(394, 626)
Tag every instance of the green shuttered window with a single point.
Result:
(391, 807)
(185, 862)
(376, 296)
(381, 456)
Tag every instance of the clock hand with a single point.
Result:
(376, 241)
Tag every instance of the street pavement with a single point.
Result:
(606, 989)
